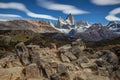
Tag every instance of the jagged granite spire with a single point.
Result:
(71, 19)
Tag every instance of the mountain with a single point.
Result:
(96, 32)
(82, 29)
(65, 26)
(35, 26)
(114, 26)
(70, 27)
(82, 26)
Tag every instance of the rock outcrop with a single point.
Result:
(69, 62)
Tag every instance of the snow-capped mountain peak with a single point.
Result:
(69, 24)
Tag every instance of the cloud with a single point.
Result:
(6, 17)
(112, 15)
(9, 18)
(10, 15)
(66, 9)
(41, 16)
(22, 7)
(105, 2)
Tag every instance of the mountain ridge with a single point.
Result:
(86, 31)
(70, 27)
(35, 26)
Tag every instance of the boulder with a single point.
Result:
(65, 47)
(11, 73)
(79, 43)
(34, 51)
(61, 68)
(70, 56)
(22, 53)
(64, 58)
(32, 71)
(110, 57)
(88, 65)
(76, 51)
(46, 54)
(61, 74)
(49, 70)
(10, 61)
(80, 60)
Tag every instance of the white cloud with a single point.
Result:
(115, 11)
(41, 16)
(10, 15)
(6, 17)
(22, 7)
(112, 15)
(9, 18)
(105, 2)
(60, 7)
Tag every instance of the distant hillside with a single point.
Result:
(18, 35)
(45, 39)
(35, 26)
(104, 44)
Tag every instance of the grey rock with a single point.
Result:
(76, 51)
(109, 56)
(32, 71)
(88, 65)
(70, 56)
(49, 69)
(80, 60)
(22, 53)
(61, 68)
(65, 47)
(64, 58)
(33, 53)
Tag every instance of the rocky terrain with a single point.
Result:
(42, 59)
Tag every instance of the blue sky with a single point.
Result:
(93, 11)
